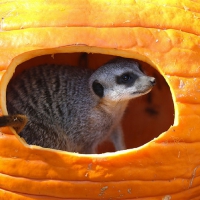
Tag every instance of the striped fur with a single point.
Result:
(63, 110)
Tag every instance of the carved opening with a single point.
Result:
(145, 118)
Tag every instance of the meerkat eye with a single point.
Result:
(98, 89)
(127, 78)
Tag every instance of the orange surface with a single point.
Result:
(164, 34)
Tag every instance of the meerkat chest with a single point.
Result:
(114, 109)
(109, 114)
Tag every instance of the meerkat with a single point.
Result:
(73, 109)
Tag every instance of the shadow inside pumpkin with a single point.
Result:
(145, 118)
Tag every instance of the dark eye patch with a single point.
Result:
(98, 89)
(126, 79)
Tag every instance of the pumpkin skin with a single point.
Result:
(167, 167)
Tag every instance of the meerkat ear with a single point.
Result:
(98, 88)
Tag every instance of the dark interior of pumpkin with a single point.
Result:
(145, 118)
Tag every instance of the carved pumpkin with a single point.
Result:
(164, 34)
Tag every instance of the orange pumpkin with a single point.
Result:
(164, 34)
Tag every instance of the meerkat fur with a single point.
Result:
(75, 109)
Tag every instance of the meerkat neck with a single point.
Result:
(113, 107)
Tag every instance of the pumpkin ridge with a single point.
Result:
(128, 18)
(167, 182)
(108, 179)
(109, 26)
(31, 195)
(89, 180)
(105, 181)
(109, 186)
(153, 31)
(20, 196)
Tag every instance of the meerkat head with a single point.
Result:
(120, 80)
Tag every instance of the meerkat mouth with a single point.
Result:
(142, 92)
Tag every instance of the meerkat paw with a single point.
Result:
(17, 121)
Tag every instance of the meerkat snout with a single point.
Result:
(121, 80)
(153, 81)
(143, 85)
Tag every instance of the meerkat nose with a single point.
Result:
(153, 81)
